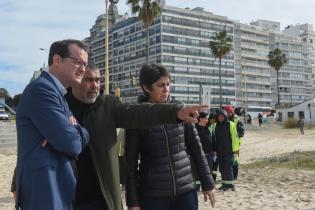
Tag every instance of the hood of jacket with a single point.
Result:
(224, 113)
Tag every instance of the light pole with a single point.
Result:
(200, 93)
(245, 91)
(106, 73)
(43, 49)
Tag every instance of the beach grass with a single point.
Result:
(294, 160)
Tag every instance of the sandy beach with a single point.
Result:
(257, 188)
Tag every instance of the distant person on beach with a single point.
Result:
(301, 125)
(260, 118)
(249, 119)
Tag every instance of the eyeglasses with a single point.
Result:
(91, 79)
(77, 62)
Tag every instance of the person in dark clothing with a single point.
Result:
(163, 180)
(226, 145)
(240, 132)
(249, 119)
(212, 122)
(206, 141)
(260, 119)
(301, 125)
(97, 168)
(88, 192)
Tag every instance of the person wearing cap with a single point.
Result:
(240, 132)
(226, 144)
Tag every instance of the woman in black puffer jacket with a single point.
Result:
(159, 173)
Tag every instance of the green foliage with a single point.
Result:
(290, 123)
(276, 59)
(309, 126)
(295, 160)
(221, 44)
(146, 10)
(4, 92)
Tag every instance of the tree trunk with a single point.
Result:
(220, 83)
(148, 43)
(278, 92)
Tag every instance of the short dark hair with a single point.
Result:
(62, 48)
(202, 115)
(149, 74)
(91, 65)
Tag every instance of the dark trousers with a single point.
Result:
(95, 205)
(302, 130)
(235, 171)
(185, 201)
(213, 165)
(215, 170)
(225, 167)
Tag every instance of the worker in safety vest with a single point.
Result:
(226, 145)
(240, 132)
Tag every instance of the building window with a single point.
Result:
(280, 116)
(301, 115)
(290, 114)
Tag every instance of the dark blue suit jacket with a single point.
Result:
(45, 179)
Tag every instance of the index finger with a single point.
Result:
(203, 106)
(212, 199)
(190, 120)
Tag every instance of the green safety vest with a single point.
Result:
(234, 136)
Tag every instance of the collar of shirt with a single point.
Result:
(60, 87)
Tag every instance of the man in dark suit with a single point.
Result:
(44, 176)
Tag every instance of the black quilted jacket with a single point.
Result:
(164, 167)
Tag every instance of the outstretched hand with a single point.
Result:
(189, 114)
(211, 195)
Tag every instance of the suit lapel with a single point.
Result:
(62, 99)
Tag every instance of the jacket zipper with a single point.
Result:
(169, 159)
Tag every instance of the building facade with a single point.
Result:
(307, 34)
(295, 77)
(253, 81)
(179, 40)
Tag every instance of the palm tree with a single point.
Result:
(147, 10)
(220, 45)
(277, 59)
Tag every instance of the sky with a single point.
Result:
(28, 25)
